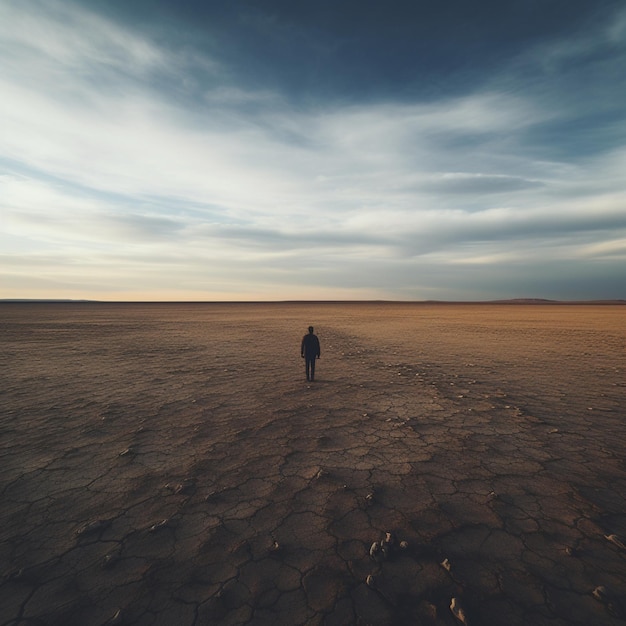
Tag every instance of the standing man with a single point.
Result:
(310, 350)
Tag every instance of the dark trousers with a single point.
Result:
(310, 367)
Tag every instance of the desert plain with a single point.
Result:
(169, 464)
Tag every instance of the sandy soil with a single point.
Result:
(169, 464)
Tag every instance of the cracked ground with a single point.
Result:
(169, 464)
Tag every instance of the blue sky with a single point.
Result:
(156, 150)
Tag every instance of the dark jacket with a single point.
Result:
(310, 347)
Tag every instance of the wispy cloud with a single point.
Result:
(122, 155)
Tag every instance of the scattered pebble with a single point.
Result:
(446, 565)
(275, 547)
(162, 524)
(181, 488)
(458, 611)
(110, 560)
(600, 593)
(375, 551)
(616, 540)
(92, 527)
(390, 539)
(370, 581)
(387, 547)
(185, 487)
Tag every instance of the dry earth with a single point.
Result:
(169, 464)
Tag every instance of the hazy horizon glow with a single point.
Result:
(192, 151)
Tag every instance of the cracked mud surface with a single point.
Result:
(169, 464)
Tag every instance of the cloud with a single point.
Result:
(147, 163)
(43, 41)
(464, 183)
(605, 250)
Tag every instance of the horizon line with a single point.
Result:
(321, 301)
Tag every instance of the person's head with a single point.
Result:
(311, 329)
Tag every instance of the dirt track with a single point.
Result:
(169, 464)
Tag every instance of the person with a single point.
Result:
(309, 351)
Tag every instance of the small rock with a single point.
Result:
(322, 473)
(458, 611)
(601, 594)
(162, 524)
(118, 618)
(275, 547)
(370, 581)
(446, 565)
(375, 551)
(110, 560)
(616, 540)
(388, 544)
(613, 606)
(185, 487)
(404, 545)
(92, 527)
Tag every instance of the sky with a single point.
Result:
(283, 150)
